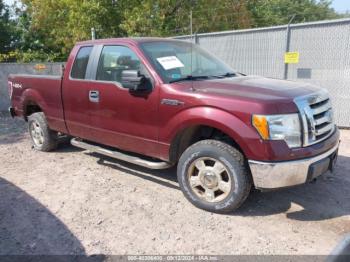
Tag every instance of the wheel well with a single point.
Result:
(191, 135)
(31, 108)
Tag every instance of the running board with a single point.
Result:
(118, 155)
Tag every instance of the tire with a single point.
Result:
(43, 138)
(200, 172)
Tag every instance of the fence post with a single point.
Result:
(196, 39)
(287, 47)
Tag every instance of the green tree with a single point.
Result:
(279, 12)
(30, 45)
(154, 17)
(208, 16)
(7, 29)
(47, 30)
(65, 22)
(172, 17)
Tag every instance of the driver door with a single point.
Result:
(121, 118)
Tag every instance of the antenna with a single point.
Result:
(191, 28)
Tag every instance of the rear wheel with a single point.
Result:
(43, 138)
(213, 176)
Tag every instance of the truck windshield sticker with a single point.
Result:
(175, 76)
(170, 62)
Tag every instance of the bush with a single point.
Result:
(29, 56)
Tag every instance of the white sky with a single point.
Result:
(341, 5)
(9, 2)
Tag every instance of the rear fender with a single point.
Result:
(32, 96)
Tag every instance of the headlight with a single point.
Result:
(279, 127)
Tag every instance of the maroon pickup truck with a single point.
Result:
(160, 102)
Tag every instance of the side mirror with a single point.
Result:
(134, 81)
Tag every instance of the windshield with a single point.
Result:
(178, 60)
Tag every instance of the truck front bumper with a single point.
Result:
(270, 175)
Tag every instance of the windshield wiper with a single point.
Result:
(189, 78)
(193, 78)
(228, 74)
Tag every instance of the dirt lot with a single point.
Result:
(75, 202)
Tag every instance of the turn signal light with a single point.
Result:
(261, 125)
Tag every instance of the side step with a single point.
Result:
(118, 155)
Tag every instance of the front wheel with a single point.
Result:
(213, 176)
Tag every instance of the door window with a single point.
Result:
(114, 60)
(81, 62)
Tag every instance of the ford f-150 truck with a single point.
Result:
(159, 102)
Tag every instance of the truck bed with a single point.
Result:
(45, 90)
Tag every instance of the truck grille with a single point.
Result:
(316, 116)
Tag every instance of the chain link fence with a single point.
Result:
(324, 50)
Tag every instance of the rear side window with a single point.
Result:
(81, 62)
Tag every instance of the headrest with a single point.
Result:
(124, 60)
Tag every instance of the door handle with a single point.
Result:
(94, 96)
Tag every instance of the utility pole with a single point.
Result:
(288, 46)
(93, 33)
(191, 24)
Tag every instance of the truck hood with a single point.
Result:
(255, 88)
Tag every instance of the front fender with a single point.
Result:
(242, 133)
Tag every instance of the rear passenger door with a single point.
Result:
(75, 92)
(121, 118)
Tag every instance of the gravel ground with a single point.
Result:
(75, 202)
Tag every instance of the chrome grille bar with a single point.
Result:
(324, 119)
(323, 130)
(316, 117)
(321, 109)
